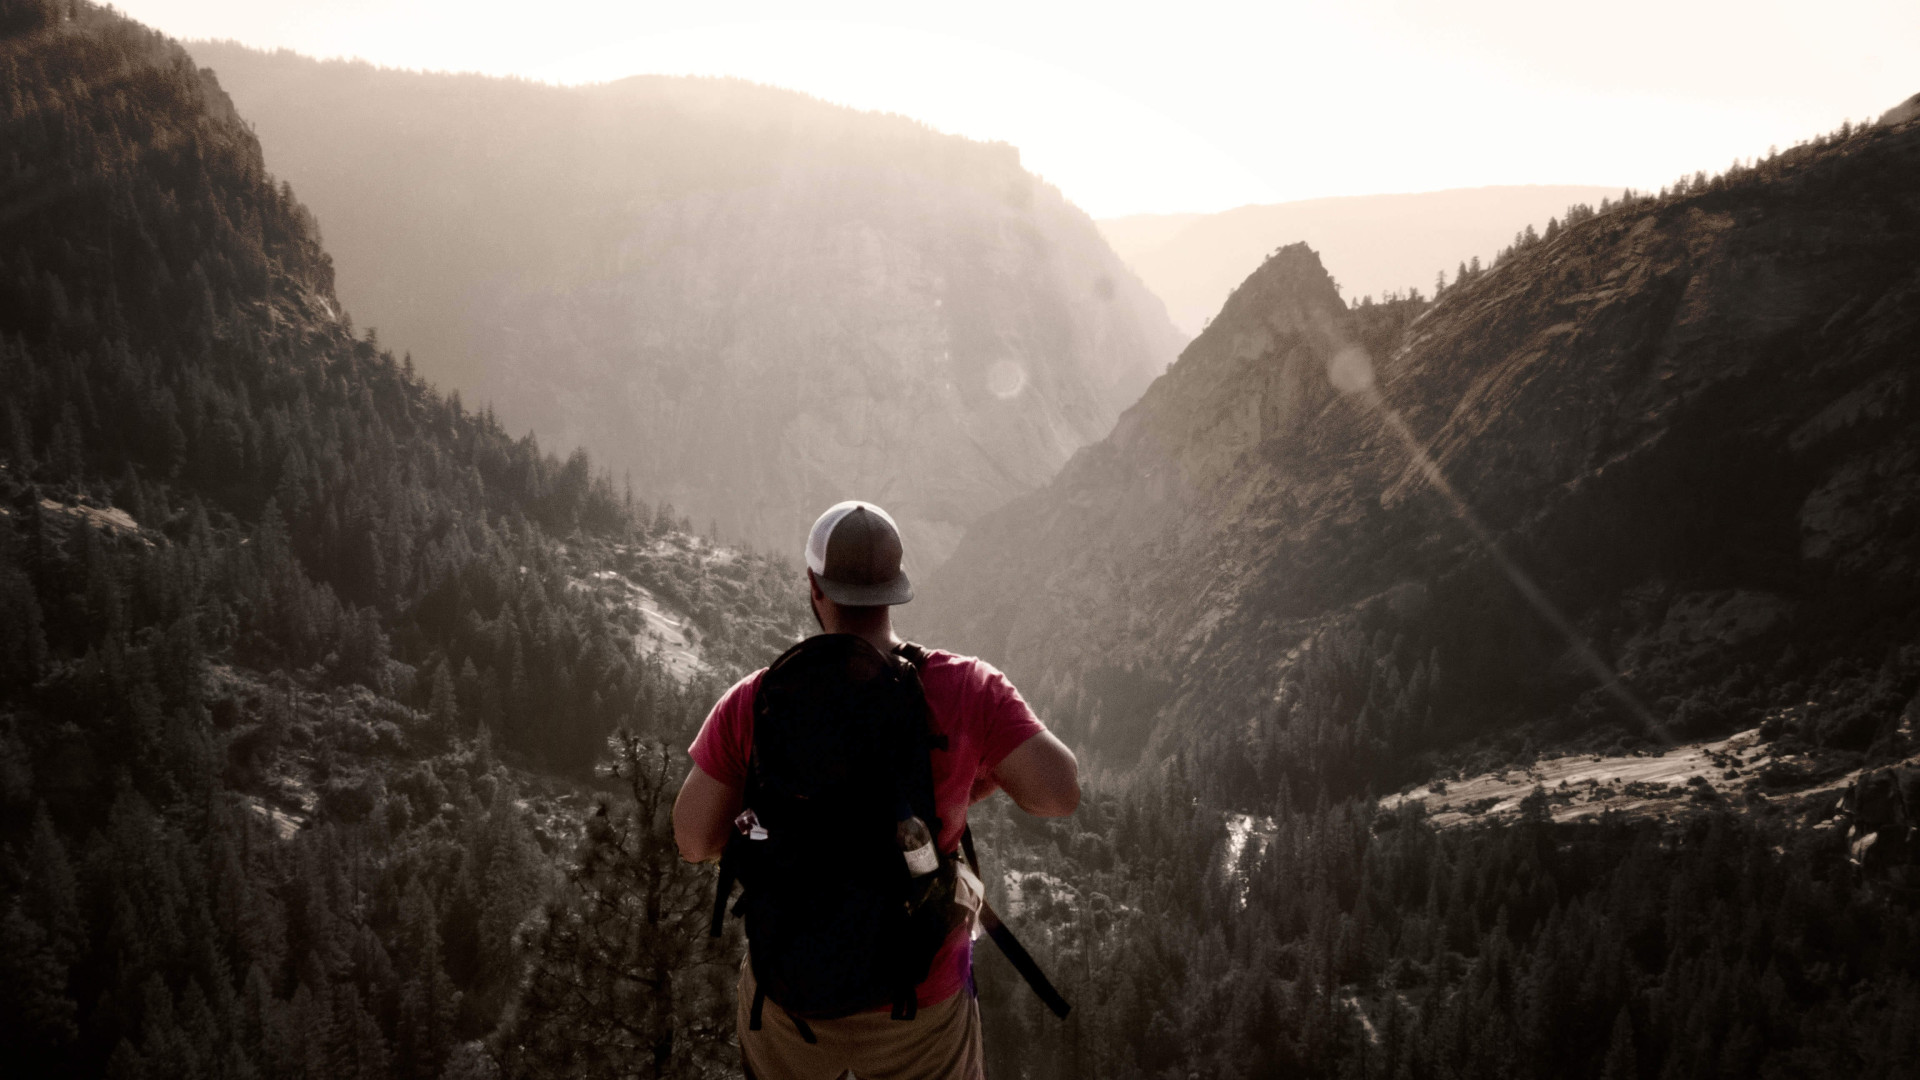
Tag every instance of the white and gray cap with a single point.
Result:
(854, 552)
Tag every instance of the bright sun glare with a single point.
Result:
(1216, 105)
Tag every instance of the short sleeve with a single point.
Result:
(1006, 719)
(725, 741)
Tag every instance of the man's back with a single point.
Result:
(972, 705)
(992, 741)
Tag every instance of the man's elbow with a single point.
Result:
(703, 816)
(698, 841)
(1043, 777)
(698, 855)
(1059, 796)
(695, 849)
(1058, 803)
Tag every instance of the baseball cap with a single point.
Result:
(854, 552)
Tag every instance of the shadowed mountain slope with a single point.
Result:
(754, 302)
(1689, 423)
(295, 650)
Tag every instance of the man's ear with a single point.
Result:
(818, 600)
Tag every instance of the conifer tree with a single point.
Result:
(1621, 1062)
(625, 980)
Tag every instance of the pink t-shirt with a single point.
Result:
(973, 705)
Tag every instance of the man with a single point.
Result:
(993, 742)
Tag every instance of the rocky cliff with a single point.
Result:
(1372, 244)
(753, 302)
(1677, 442)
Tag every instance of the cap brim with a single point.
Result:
(885, 594)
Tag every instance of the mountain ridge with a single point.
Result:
(1606, 406)
(279, 614)
(306, 669)
(756, 303)
(1374, 244)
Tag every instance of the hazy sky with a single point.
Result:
(1203, 106)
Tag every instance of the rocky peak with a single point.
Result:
(1684, 404)
(1250, 379)
(1902, 113)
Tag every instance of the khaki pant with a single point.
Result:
(942, 1042)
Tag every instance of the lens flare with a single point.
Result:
(1351, 371)
(1005, 379)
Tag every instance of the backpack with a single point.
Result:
(835, 922)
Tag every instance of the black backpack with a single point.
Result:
(835, 922)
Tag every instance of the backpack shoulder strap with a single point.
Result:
(917, 656)
(1010, 946)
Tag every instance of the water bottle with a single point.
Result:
(916, 846)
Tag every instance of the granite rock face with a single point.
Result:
(1678, 441)
(752, 302)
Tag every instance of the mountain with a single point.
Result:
(1372, 244)
(752, 302)
(306, 669)
(1674, 440)
(303, 663)
(1602, 564)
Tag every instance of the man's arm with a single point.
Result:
(703, 816)
(1041, 775)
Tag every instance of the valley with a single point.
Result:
(1455, 645)
(1515, 681)
(1635, 418)
(749, 302)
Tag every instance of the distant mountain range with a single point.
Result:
(1684, 439)
(1371, 244)
(753, 302)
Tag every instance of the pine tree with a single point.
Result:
(443, 705)
(1621, 1062)
(624, 979)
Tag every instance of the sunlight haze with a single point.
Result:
(1386, 540)
(1219, 105)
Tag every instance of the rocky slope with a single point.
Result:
(754, 302)
(1372, 244)
(1686, 426)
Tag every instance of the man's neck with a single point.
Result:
(877, 632)
(880, 637)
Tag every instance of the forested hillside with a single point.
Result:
(305, 667)
(339, 729)
(1646, 479)
(1670, 439)
(1328, 942)
(753, 302)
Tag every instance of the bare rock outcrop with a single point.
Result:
(1678, 440)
